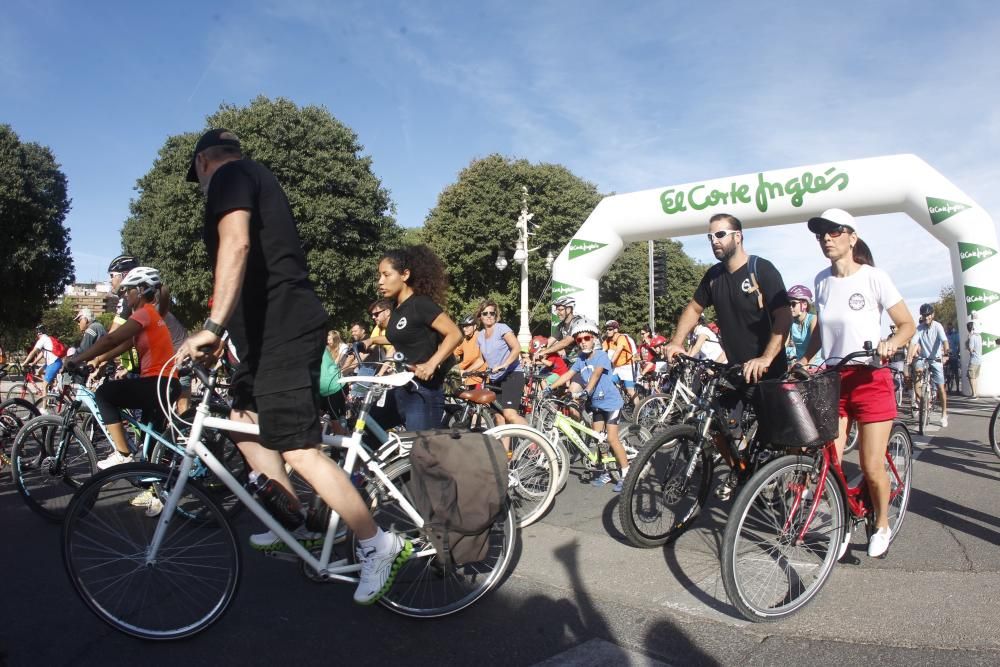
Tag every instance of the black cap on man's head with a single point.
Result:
(217, 137)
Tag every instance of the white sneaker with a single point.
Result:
(843, 546)
(114, 458)
(879, 543)
(270, 542)
(154, 508)
(378, 570)
(143, 499)
(944, 421)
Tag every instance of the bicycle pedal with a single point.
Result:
(279, 554)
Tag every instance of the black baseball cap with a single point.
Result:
(217, 137)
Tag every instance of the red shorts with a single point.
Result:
(867, 394)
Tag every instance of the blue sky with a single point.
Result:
(627, 95)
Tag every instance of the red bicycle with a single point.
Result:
(793, 520)
(28, 389)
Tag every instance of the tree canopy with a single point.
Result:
(944, 307)
(35, 252)
(475, 219)
(344, 215)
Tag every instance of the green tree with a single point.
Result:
(35, 252)
(344, 215)
(475, 219)
(944, 307)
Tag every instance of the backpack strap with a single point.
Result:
(762, 302)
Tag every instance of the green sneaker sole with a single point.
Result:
(401, 558)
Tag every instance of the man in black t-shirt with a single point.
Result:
(750, 302)
(262, 294)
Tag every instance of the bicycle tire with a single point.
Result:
(14, 414)
(533, 472)
(652, 412)
(45, 488)
(900, 448)
(422, 588)
(925, 405)
(224, 449)
(757, 548)
(656, 484)
(20, 390)
(853, 434)
(995, 430)
(189, 586)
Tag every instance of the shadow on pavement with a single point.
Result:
(955, 516)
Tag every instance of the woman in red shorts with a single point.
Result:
(850, 298)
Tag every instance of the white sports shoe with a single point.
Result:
(379, 569)
(269, 541)
(143, 499)
(944, 421)
(879, 543)
(114, 458)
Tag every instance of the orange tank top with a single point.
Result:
(154, 343)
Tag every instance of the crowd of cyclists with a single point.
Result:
(263, 303)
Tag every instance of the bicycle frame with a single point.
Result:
(856, 497)
(195, 448)
(569, 427)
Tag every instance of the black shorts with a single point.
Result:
(282, 387)
(511, 391)
(609, 417)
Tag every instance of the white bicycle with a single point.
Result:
(172, 576)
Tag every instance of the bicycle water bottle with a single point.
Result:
(282, 505)
(798, 412)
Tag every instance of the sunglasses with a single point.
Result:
(721, 234)
(377, 313)
(585, 338)
(833, 233)
(488, 313)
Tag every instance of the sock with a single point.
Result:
(625, 471)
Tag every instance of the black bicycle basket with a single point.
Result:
(799, 413)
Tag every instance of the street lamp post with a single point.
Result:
(521, 252)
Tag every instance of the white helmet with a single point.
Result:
(583, 325)
(145, 278)
(566, 301)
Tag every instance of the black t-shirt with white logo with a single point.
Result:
(277, 302)
(745, 326)
(410, 332)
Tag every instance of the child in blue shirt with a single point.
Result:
(600, 394)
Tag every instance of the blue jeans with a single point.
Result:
(420, 408)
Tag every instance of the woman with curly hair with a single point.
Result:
(414, 279)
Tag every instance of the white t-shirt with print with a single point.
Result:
(44, 343)
(850, 309)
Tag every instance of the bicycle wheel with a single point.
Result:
(659, 499)
(533, 472)
(899, 393)
(652, 413)
(422, 587)
(995, 430)
(45, 480)
(14, 414)
(20, 390)
(224, 449)
(852, 437)
(773, 564)
(194, 576)
(900, 453)
(924, 416)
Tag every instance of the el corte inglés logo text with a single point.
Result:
(942, 209)
(796, 188)
(989, 342)
(579, 247)
(977, 298)
(971, 254)
(562, 289)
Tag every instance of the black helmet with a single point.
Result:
(122, 264)
(926, 309)
(467, 320)
(40, 329)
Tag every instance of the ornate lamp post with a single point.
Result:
(521, 252)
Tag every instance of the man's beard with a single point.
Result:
(725, 254)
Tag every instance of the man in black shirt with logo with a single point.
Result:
(263, 296)
(753, 314)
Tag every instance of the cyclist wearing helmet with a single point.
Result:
(599, 394)
(706, 343)
(929, 350)
(564, 338)
(470, 359)
(147, 331)
(800, 298)
(117, 270)
(52, 363)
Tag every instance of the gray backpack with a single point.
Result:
(460, 488)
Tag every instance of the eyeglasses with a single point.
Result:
(721, 234)
(378, 312)
(832, 233)
(488, 313)
(584, 338)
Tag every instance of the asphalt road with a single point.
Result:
(578, 594)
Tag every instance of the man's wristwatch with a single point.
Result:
(214, 327)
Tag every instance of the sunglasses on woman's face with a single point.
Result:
(489, 313)
(833, 233)
(585, 338)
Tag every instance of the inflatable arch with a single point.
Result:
(894, 183)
